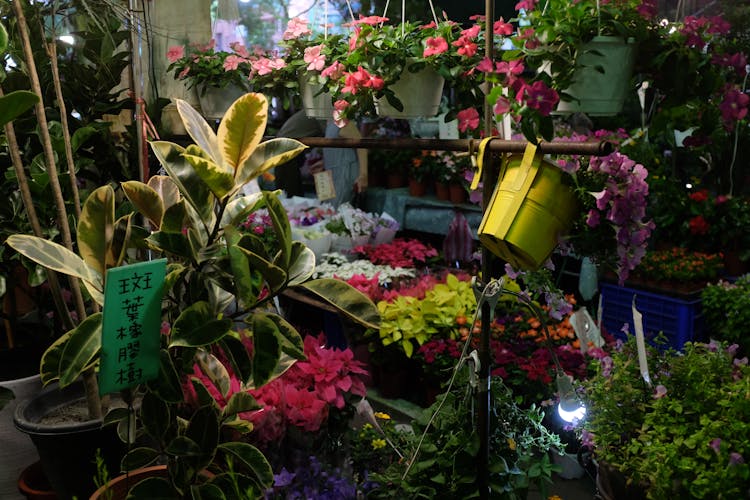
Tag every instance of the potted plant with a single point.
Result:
(219, 76)
(725, 311)
(679, 434)
(217, 279)
(538, 72)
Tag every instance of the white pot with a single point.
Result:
(315, 103)
(419, 92)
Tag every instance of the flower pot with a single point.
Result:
(417, 188)
(456, 194)
(33, 484)
(215, 101)
(530, 209)
(600, 93)
(315, 103)
(419, 92)
(118, 487)
(395, 180)
(441, 191)
(67, 448)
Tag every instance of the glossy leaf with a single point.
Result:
(165, 188)
(239, 208)
(146, 201)
(281, 227)
(167, 385)
(121, 241)
(266, 349)
(183, 446)
(238, 403)
(302, 264)
(96, 228)
(203, 429)
(246, 285)
(239, 358)
(198, 326)
(346, 299)
(191, 187)
(138, 457)
(217, 178)
(202, 396)
(251, 457)
(291, 342)
(172, 243)
(156, 416)
(267, 155)
(242, 128)
(214, 370)
(275, 276)
(199, 130)
(15, 103)
(49, 367)
(82, 346)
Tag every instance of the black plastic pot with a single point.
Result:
(67, 450)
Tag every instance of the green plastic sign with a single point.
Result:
(131, 325)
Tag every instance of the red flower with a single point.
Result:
(699, 196)
(698, 225)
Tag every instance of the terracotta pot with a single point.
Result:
(395, 180)
(118, 487)
(417, 188)
(33, 484)
(457, 194)
(441, 191)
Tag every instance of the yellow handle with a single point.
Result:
(480, 162)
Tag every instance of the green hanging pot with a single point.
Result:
(602, 80)
(530, 210)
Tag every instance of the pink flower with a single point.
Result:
(467, 119)
(183, 73)
(304, 409)
(232, 62)
(471, 33)
(502, 28)
(486, 66)
(502, 106)
(334, 71)
(435, 45)
(175, 53)
(660, 392)
(371, 20)
(314, 59)
(240, 49)
(733, 107)
(339, 115)
(465, 46)
(509, 68)
(296, 28)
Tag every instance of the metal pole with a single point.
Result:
(488, 183)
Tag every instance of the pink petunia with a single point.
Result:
(296, 28)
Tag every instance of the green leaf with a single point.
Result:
(82, 346)
(203, 397)
(269, 154)
(238, 403)
(238, 356)
(302, 264)
(192, 188)
(95, 229)
(145, 200)
(155, 415)
(174, 218)
(183, 446)
(239, 208)
(251, 457)
(281, 226)
(291, 342)
(172, 243)
(55, 257)
(242, 129)
(203, 429)
(214, 370)
(49, 368)
(346, 299)
(165, 188)
(153, 488)
(206, 491)
(198, 326)
(167, 385)
(218, 180)
(138, 457)
(267, 349)
(199, 130)
(275, 276)
(15, 103)
(246, 284)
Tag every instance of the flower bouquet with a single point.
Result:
(205, 67)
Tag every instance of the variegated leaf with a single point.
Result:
(146, 201)
(214, 370)
(217, 177)
(242, 128)
(96, 228)
(165, 188)
(198, 129)
(266, 156)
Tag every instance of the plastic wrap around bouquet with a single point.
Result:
(531, 208)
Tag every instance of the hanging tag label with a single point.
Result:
(324, 188)
(586, 330)
(640, 342)
(131, 325)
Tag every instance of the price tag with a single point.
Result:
(324, 188)
(640, 342)
(131, 325)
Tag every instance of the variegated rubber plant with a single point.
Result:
(218, 282)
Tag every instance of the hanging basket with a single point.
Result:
(420, 93)
(530, 209)
(316, 104)
(601, 93)
(216, 101)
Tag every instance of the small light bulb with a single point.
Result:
(689, 186)
(571, 416)
(68, 39)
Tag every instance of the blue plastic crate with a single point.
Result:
(681, 320)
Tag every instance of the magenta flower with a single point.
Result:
(541, 97)
(660, 392)
(468, 119)
(733, 107)
(715, 445)
(502, 28)
(465, 46)
(735, 458)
